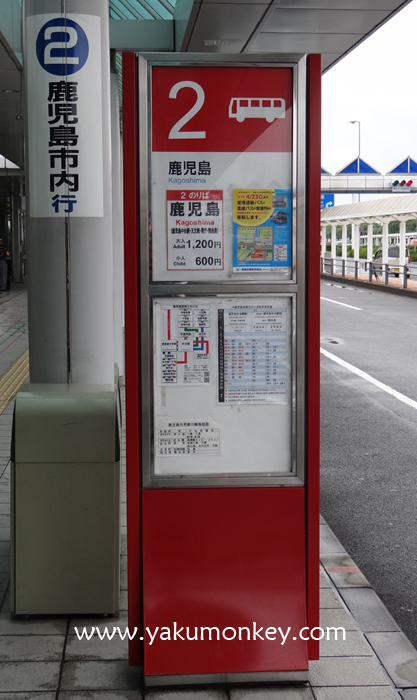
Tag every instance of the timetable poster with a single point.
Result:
(262, 230)
(253, 362)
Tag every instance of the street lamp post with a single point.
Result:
(355, 121)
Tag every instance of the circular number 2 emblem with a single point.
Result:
(62, 46)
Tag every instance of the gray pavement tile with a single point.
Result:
(349, 579)
(99, 695)
(28, 696)
(4, 520)
(337, 617)
(5, 497)
(336, 559)
(397, 655)
(123, 561)
(95, 648)
(4, 582)
(328, 541)
(31, 625)
(4, 549)
(104, 675)
(368, 610)
(29, 677)
(354, 644)
(123, 601)
(329, 599)
(189, 694)
(324, 579)
(284, 693)
(100, 622)
(340, 671)
(358, 693)
(409, 694)
(31, 648)
(123, 580)
(4, 564)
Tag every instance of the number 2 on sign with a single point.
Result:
(175, 132)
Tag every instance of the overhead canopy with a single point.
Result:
(328, 27)
(141, 9)
(397, 207)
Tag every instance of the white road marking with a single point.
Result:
(342, 304)
(364, 375)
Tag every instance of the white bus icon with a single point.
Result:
(269, 108)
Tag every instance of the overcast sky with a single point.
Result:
(374, 84)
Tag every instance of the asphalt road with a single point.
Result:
(369, 439)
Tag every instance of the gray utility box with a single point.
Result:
(65, 494)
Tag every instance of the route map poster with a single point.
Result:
(262, 231)
(252, 354)
(183, 337)
(195, 229)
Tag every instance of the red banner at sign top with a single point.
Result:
(209, 109)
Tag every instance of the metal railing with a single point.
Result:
(368, 271)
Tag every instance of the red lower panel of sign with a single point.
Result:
(228, 559)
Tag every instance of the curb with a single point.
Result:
(393, 649)
(369, 285)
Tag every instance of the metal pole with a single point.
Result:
(117, 215)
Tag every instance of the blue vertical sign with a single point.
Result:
(327, 200)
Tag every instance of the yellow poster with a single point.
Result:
(252, 207)
(262, 230)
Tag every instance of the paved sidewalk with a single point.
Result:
(394, 285)
(41, 658)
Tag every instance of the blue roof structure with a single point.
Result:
(324, 171)
(406, 166)
(358, 167)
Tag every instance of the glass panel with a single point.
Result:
(222, 385)
(221, 173)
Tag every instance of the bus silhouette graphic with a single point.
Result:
(269, 108)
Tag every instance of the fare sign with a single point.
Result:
(215, 130)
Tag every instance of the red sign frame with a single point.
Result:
(134, 535)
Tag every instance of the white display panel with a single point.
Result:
(216, 132)
(223, 391)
